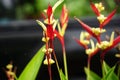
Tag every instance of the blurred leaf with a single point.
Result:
(62, 76)
(118, 71)
(111, 75)
(32, 68)
(105, 68)
(91, 75)
(108, 72)
(28, 9)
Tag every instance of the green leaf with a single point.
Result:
(110, 75)
(118, 71)
(108, 72)
(62, 76)
(32, 68)
(105, 68)
(91, 75)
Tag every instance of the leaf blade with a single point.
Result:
(32, 68)
(91, 74)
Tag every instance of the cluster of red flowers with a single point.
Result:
(96, 32)
(50, 32)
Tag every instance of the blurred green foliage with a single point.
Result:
(79, 8)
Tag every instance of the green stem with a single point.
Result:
(65, 63)
(88, 65)
(64, 58)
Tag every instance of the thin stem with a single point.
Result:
(65, 63)
(103, 72)
(49, 67)
(58, 68)
(88, 65)
(56, 61)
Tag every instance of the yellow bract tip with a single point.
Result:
(103, 45)
(51, 61)
(98, 31)
(117, 55)
(112, 38)
(10, 73)
(100, 6)
(84, 35)
(45, 39)
(41, 24)
(9, 66)
(90, 51)
(101, 18)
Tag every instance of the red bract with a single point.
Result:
(88, 29)
(64, 16)
(115, 42)
(96, 11)
(50, 32)
(49, 11)
(85, 26)
(80, 43)
(109, 17)
(95, 52)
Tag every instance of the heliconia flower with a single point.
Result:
(62, 27)
(106, 47)
(108, 18)
(50, 32)
(93, 50)
(95, 9)
(50, 11)
(99, 6)
(64, 20)
(83, 39)
(55, 6)
(48, 52)
(105, 44)
(101, 18)
(10, 72)
(51, 61)
(98, 31)
(85, 26)
(95, 32)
